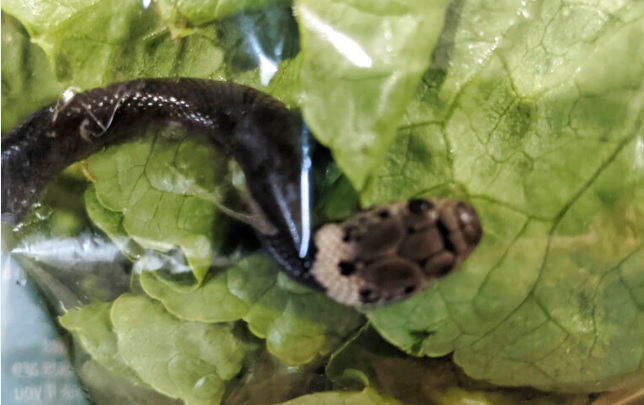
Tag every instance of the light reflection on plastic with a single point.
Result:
(200, 382)
(267, 66)
(349, 48)
(523, 11)
(92, 249)
(286, 212)
(267, 69)
(68, 250)
(305, 191)
(152, 261)
(300, 240)
(68, 94)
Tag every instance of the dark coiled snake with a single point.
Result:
(379, 255)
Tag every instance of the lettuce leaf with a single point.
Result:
(367, 357)
(92, 326)
(187, 360)
(96, 42)
(198, 12)
(356, 84)
(368, 396)
(541, 129)
(101, 385)
(27, 81)
(165, 197)
(299, 325)
(110, 222)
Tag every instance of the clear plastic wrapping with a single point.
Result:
(137, 277)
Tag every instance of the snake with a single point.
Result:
(379, 255)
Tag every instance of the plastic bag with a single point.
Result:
(532, 114)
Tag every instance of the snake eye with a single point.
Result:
(469, 223)
(346, 268)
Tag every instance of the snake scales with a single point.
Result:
(379, 255)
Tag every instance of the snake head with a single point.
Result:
(389, 252)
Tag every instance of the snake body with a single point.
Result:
(379, 255)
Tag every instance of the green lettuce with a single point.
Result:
(110, 222)
(187, 360)
(180, 13)
(24, 72)
(367, 358)
(531, 111)
(135, 338)
(356, 84)
(92, 327)
(366, 397)
(298, 324)
(162, 193)
(92, 43)
(542, 132)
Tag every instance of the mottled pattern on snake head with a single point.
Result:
(389, 252)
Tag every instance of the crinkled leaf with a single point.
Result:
(457, 395)
(284, 85)
(91, 43)
(540, 123)
(272, 381)
(367, 357)
(297, 323)
(111, 223)
(197, 12)
(368, 396)
(361, 63)
(211, 302)
(181, 359)
(163, 192)
(107, 388)
(41, 16)
(27, 81)
(91, 326)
